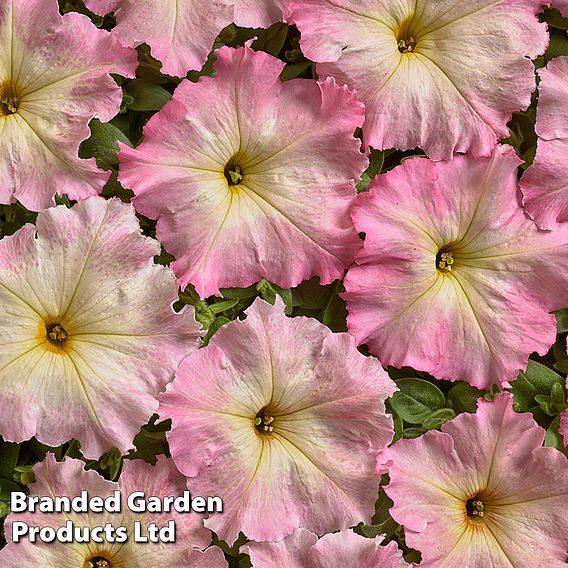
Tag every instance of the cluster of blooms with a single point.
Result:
(252, 178)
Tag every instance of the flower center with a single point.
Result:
(56, 334)
(406, 36)
(233, 174)
(9, 101)
(444, 260)
(475, 508)
(264, 421)
(97, 562)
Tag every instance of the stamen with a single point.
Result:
(56, 334)
(263, 421)
(97, 562)
(233, 173)
(444, 261)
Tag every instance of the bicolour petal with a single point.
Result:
(545, 183)
(69, 479)
(90, 333)
(482, 492)
(479, 318)
(285, 420)
(444, 76)
(302, 549)
(259, 13)
(54, 78)
(250, 177)
(180, 34)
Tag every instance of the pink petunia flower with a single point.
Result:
(285, 419)
(250, 177)
(453, 278)
(441, 75)
(302, 549)
(89, 334)
(545, 183)
(54, 78)
(69, 479)
(181, 34)
(483, 492)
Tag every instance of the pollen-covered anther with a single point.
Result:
(9, 101)
(263, 423)
(407, 45)
(56, 333)
(445, 262)
(475, 508)
(233, 174)
(97, 562)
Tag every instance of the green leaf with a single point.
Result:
(536, 380)
(102, 144)
(294, 70)
(267, 291)
(416, 400)
(376, 162)
(558, 45)
(553, 438)
(8, 458)
(553, 18)
(335, 314)
(146, 96)
(223, 305)
(438, 417)
(561, 320)
(217, 323)
(463, 397)
(271, 40)
(240, 293)
(8, 486)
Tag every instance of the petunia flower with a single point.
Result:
(89, 336)
(54, 78)
(302, 549)
(250, 177)
(482, 492)
(453, 278)
(69, 479)
(180, 34)
(284, 420)
(545, 183)
(442, 75)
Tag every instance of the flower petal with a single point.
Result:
(259, 13)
